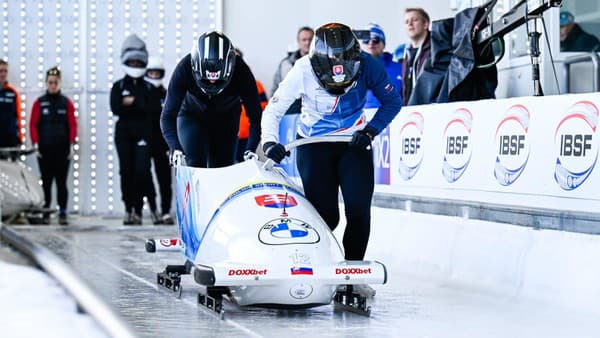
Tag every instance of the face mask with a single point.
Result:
(134, 72)
(155, 82)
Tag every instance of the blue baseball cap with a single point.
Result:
(566, 18)
(377, 31)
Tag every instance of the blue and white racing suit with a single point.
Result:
(326, 167)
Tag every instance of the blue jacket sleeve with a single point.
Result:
(175, 95)
(378, 82)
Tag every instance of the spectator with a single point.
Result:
(375, 46)
(304, 37)
(201, 116)
(416, 21)
(333, 80)
(573, 38)
(244, 131)
(159, 150)
(10, 111)
(53, 129)
(129, 101)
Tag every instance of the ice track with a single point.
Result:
(112, 260)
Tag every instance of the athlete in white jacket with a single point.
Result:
(332, 82)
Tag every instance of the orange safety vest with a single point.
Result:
(244, 131)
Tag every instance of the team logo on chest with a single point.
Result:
(338, 73)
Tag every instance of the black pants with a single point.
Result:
(325, 167)
(162, 168)
(208, 144)
(54, 165)
(241, 149)
(134, 166)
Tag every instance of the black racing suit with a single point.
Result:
(159, 150)
(53, 128)
(132, 138)
(206, 127)
(10, 113)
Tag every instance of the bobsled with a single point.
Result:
(248, 232)
(20, 191)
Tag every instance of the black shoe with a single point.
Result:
(128, 220)
(46, 219)
(62, 219)
(155, 218)
(137, 219)
(167, 219)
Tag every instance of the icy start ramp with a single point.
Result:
(111, 258)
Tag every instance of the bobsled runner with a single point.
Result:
(248, 234)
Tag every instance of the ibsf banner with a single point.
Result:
(526, 151)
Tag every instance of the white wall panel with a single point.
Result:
(84, 39)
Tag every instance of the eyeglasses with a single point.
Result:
(374, 40)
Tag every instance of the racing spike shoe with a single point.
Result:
(137, 219)
(62, 219)
(128, 220)
(155, 218)
(167, 219)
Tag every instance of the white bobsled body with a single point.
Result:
(252, 230)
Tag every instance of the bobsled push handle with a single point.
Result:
(317, 139)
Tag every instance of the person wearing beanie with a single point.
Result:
(129, 100)
(375, 46)
(53, 130)
(159, 150)
(573, 38)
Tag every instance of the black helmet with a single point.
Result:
(335, 57)
(213, 60)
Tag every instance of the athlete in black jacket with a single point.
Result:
(202, 112)
(159, 150)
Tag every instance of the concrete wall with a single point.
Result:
(263, 29)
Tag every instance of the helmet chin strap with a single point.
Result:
(340, 91)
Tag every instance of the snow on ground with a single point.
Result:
(33, 304)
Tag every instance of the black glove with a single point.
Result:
(275, 151)
(362, 138)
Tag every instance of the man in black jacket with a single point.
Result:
(573, 38)
(201, 115)
(129, 101)
(417, 53)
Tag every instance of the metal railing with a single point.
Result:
(594, 58)
(59, 270)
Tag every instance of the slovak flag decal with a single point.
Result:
(279, 201)
(338, 69)
(299, 270)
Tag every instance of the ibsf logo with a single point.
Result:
(411, 150)
(287, 231)
(576, 145)
(338, 73)
(512, 145)
(457, 153)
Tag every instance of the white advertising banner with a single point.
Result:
(529, 152)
